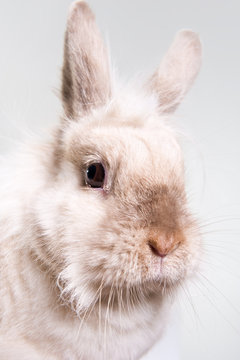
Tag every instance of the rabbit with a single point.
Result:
(96, 231)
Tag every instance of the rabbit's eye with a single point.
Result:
(95, 175)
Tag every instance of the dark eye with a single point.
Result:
(95, 175)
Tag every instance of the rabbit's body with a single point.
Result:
(95, 227)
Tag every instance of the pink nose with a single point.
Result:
(156, 251)
(164, 243)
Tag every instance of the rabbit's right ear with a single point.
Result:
(85, 75)
(177, 71)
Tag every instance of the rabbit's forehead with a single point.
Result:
(146, 147)
(137, 150)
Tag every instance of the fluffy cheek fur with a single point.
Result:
(67, 226)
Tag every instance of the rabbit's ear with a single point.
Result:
(177, 71)
(85, 75)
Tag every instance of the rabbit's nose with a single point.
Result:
(164, 244)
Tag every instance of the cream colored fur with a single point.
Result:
(78, 277)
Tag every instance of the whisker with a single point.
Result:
(189, 298)
(218, 266)
(221, 293)
(216, 308)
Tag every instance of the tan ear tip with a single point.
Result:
(190, 39)
(79, 8)
(188, 35)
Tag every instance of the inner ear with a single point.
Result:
(177, 71)
(86, 80)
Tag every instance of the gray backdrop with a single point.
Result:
(206, 319)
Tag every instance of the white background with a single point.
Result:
(206, 320)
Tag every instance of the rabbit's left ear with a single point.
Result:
(177, 71)
(85, 75)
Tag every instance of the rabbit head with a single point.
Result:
(116, 214)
